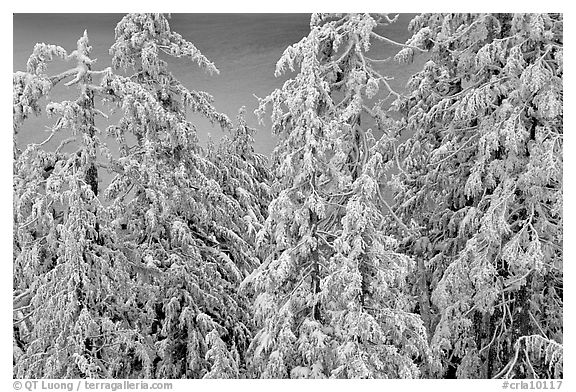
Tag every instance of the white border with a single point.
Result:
(307, 7)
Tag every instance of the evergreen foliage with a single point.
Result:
(482, 179)
(394, 234)
(332, 298)
(140, 281)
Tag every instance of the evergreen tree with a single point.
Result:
(331, 298)
(149, 276)
(71, 288)
(204, 262)
(481, 177)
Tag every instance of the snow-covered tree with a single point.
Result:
(481, 179)
(330, 294)
(140, 253)
(70, 287)
(141, 281)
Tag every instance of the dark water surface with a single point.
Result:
(244, 47)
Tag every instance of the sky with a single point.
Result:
(244, 47)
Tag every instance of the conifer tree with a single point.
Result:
(149, 274)
(188, 219)
(481, 178)
(140, 253)
(331, 298)
(70, 288)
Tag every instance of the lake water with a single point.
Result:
(244, 47)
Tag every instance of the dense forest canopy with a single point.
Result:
(391, 234)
